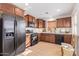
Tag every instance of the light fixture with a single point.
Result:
(51, 19)
(58, 10)
(26, 4)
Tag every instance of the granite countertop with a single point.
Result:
(50, 33)
(55, 33)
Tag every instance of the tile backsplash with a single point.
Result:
(53, 30)
(36, 30)
(63, 30)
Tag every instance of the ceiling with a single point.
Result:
(47, 11)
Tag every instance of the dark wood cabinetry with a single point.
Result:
(47, 37)
(59, 23)
(5, 7)
(28, 40)
(64, 22)
(67, 38)
(26, 20)
(53, 38)
(51, 24)
(19, 12)
(41, 23)
(38, 23)
(30, 20)
(11, 9)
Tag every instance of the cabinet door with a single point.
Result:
(36, 23)
(64, 22)
(5, 7)
(19, 12)
(26, 20)
(42, 37)
(28, 40)
(41, 24)
(51, 24)
(67, 22)
(67, 38)
(59, 23)
(47, 37)
(30, 19)
(52, 38)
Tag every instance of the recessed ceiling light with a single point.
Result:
(26, 4)
(58, 10)
(51, 19)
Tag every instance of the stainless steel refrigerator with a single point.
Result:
(12, 34)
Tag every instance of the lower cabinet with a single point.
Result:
(67, 39)
(28, 40)
(47, 37)
(52, 38)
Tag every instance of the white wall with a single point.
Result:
(75, 27)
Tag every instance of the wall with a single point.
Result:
(75, 28)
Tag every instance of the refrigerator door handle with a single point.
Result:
(15, 23)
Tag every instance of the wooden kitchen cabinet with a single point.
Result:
(28, 40)
(47, 37)
(29, 20)
(42, 37)
(67, 22)
(7, 8)
(26, 20)
(19, 12)
(50, 38)
(41, 23)
(67, 39)
(36, 23)
(51, 24)
(64, 22)
(60, 23)
(11, 9)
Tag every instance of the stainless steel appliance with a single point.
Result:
(31, 24)
(12, 34)
(59, 39)
(34, 39)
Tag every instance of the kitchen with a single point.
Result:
(43, 29)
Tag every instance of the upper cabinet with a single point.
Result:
(5, 7)
(19, 12)
(67, 22)
(26, 19)
(30, 21)
(52, 24)
(35, 23)
(11, 9)
(64, 22)
(41, 23)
